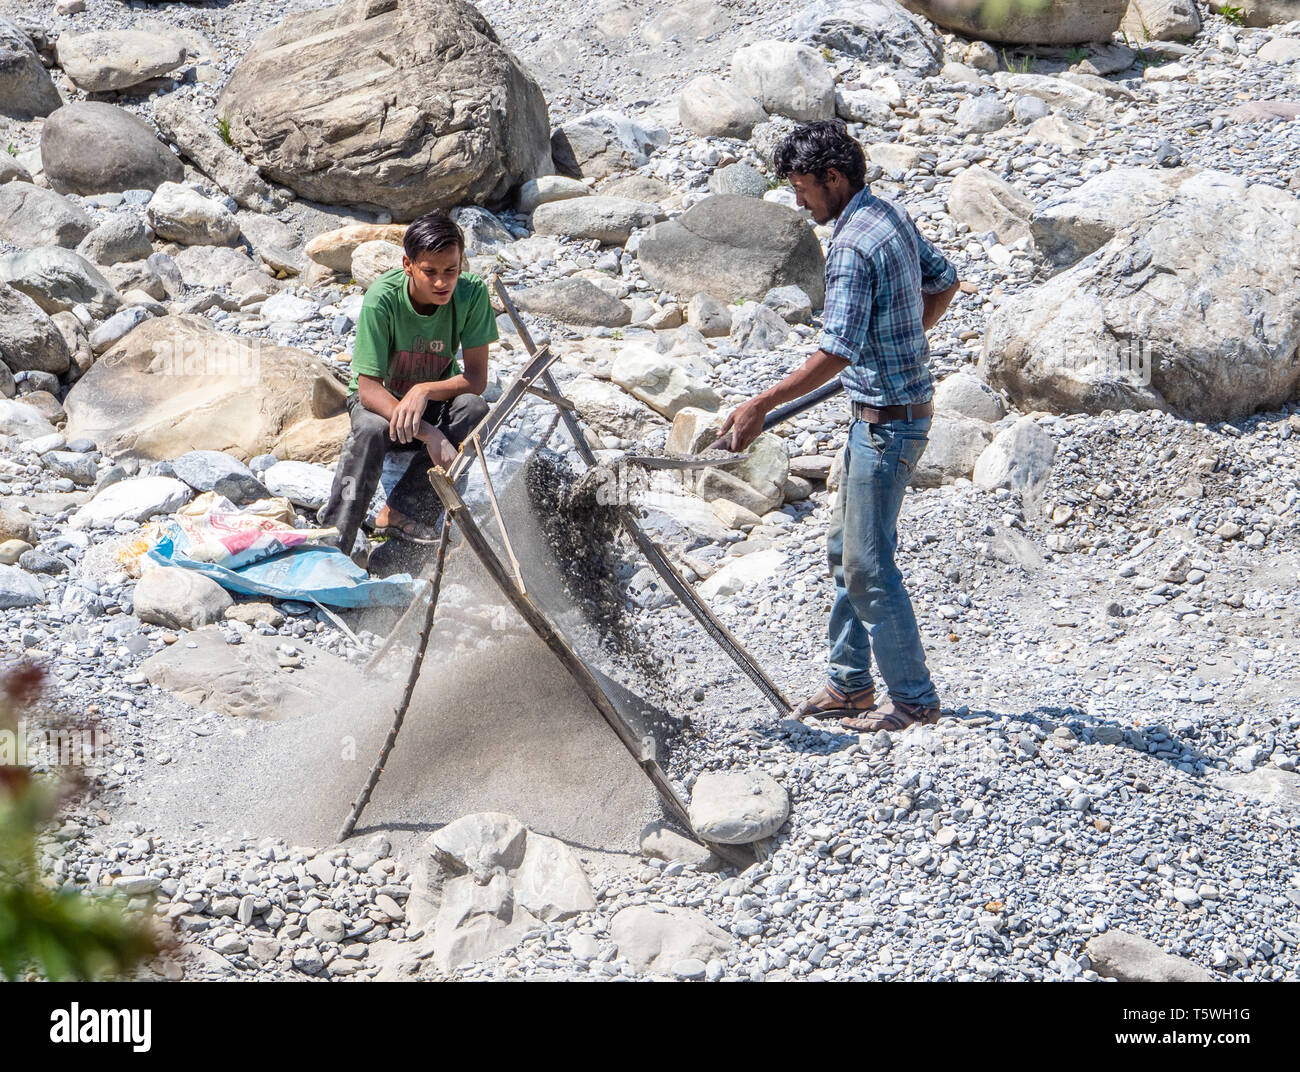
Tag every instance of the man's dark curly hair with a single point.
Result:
(815, 148)
(432, 233)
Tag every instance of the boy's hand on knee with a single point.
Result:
(408, 416)
(439, 447)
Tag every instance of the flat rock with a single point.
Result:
(655, 941)
(609, 220)
(179, 598)
(108, 60)
(57, 279)
(246, 680)
(1129, 958)
(134, 499)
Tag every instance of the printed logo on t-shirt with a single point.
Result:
(424, 361)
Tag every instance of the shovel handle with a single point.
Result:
(791, 409)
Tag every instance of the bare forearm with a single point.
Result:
(820, 368)
(442, 390)
(935, 305)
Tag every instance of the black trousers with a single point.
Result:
(362, 460)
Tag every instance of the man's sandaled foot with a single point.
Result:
(832, 702)
(895, 716)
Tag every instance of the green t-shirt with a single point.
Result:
(404, 348)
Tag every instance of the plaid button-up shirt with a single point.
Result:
(877, 268)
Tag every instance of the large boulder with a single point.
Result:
(117, 59)
(608, 220)
(26, 90)
(1185, 310)
(717, 108)
(127, 156)
(878, 32)
(663, 382)
(33, 216)
(57, 279)
(1068, 227)
(603, 142)
(121, 237)
(1160, 20)
(201, 144)
(734, 248)
(984, 202)
(964, 395)
(1059, 22)
(574, 301)
(29, 339)
(786, 79)
(175, 385)
(403, 105)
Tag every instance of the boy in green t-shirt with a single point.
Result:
(408, 392)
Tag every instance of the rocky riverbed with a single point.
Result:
(1102, 559)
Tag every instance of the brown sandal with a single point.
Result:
(832, 702)
(897, 716)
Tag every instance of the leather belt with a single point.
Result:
(881, 414)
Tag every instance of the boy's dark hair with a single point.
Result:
(432, 233)
(815, 148)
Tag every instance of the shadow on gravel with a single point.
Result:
(1157, 740)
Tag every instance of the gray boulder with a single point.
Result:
(1158, 317)
(603, 142)
(790, 303)
(26, 90)
(756, 327)
(574, 301)
(127, 156)
(717, 108)
(981, 115)
(968, 396)
(211, 470)
(786, 79)
(609, 220)
(179, 599)
(1019, 458)
(116, 327)
(548, 188)
(18, 588)
(404, 106)
(1161, 20)
(202, 145)
(878, 32)
(1129, 958)
(1072, 225)
(117, 59)
(121, 237)
(57, 279)
(656, 940)
(33, 216)
(954, 447)
(984, 202)
(29, 339)
(741, 180)
(734, 248)
(12, 171)
(1059, 22)
(180, 214)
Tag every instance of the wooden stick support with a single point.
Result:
(412, 675)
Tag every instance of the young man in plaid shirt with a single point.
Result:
(885, 287)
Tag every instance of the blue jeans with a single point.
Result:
(872, 612)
